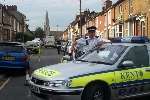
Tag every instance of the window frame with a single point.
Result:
(136, 66)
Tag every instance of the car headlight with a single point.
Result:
(58, 83)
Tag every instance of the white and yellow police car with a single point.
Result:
(114, 71)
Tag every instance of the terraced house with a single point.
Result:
(132, 17)
(123, 18)
(127, 18)
(11, 22)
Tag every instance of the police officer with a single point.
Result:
(90, 42)
(58, 46)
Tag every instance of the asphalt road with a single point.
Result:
(14, 89)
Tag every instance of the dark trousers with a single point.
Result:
(58, 49)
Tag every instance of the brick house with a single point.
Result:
(65, 35)
(132, 17)
(57, 34)
(140, 12)
(100, 24)
(107, 22)
(73, 30)
(123, 18)
(11, 22)
(91, 20)
(119, 18)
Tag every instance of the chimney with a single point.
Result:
(108, 3)
(12, 8)
(103, 8)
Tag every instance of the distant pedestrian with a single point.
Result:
(58, 46)
(39, 53)
(28, 74)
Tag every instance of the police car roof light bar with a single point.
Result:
(133, 39)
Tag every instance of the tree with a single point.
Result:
(24, 36)
(39, 33)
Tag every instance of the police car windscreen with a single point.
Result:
(107, 55)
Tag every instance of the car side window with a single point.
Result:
(139, 56)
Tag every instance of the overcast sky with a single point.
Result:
(61, 12)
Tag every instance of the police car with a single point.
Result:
(116, 70)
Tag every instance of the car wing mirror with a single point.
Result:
(126, 64)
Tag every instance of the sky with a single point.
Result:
(61, 12)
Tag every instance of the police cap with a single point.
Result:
(91, 29)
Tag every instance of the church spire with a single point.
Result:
(46, 26)
(47, 19)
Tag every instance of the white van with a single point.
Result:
(50, 41)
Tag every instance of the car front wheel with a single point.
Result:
(95, 92)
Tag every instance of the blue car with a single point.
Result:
(13, 55)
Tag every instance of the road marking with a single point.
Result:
(4, 84)
(31, 56)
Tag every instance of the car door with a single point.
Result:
(132, 78)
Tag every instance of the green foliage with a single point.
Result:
(39, 33)
(28, 36)
(24, 36)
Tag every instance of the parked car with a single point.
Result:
(37, 41)
(13, 55)
(32, 48)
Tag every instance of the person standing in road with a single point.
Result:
(90, 42)
(59, 46)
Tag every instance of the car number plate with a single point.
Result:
(35, 89)
(7, 58)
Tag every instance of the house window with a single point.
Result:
(131, 6)
(126, 28)
(120, 28)
(109, 17)
(105, 20)
(143, 28)
(100, 22)
(120, 9)
(139, 58)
